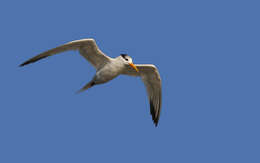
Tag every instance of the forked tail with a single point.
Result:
(87, 86)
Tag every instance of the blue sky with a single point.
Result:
(207, 53)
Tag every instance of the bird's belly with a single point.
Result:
(105, 76)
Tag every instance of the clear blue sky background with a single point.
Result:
(207, 53)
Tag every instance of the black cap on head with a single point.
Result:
(124, 55)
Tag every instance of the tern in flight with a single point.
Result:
(108, 68)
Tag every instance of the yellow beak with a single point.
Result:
(134, 67)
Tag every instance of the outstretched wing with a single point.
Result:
(87, 48)
(152, 81)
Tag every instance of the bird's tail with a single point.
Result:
(87, 86)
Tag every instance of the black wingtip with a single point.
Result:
(25, 63)
(152, 111)
(156, 122)
(32, 60)
(21, 65)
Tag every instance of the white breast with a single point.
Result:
(109, 71)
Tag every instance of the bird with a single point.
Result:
(108, 68)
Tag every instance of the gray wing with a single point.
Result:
(87, 48)
(151, 78)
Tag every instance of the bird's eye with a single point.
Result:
(126, 59)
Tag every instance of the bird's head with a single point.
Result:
(127, 60)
